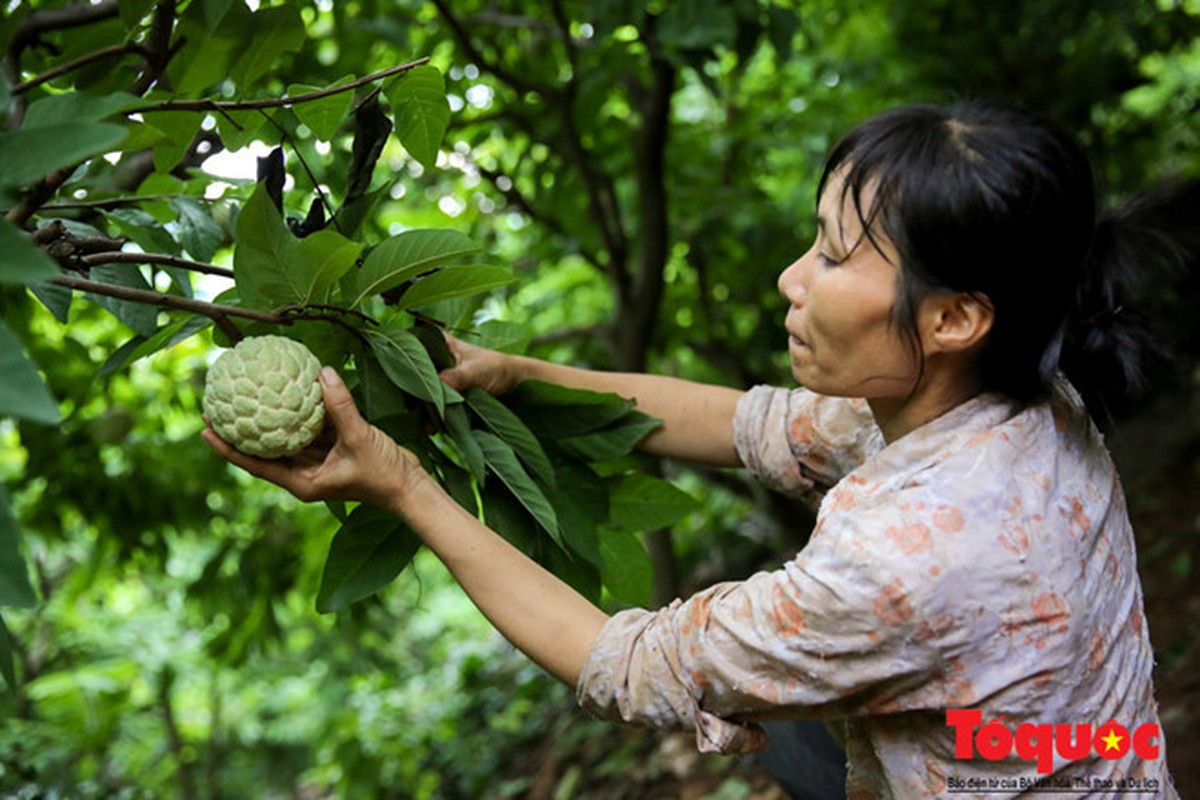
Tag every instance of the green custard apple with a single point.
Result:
(262, 396)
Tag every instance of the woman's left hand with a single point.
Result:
(363, 463)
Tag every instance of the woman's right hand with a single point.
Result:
(478, 367)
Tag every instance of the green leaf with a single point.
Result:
(503, 461)
(553, 411)
(199, 232)
(612, 442)
(407, 363)
(455, 282)
(57, 299)
(625, 567)
(506, 516)
(642, 502)
(459, 428)
(23, 261)
(140, 347)
(213, 32)
(144, 230)
(507, 337)
(403, 258)
(262, 256)
(178, 129)
(22, 392)
(513, 432)
(6, 656)
(418, 98)
(367, 553)
(323, 257)
(239, 128)
(28, 154)
(325, 116)
(140, 317)
(581, 502)
(277, 30)
(377, 395)
(15, 589)
(72, 108)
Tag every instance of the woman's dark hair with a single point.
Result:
(996, 202)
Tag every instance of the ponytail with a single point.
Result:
(1108, 349)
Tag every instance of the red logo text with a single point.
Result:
(1040, 743)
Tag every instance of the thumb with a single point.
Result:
(339, 404)
(455, 378)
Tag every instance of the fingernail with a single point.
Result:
(329, 376)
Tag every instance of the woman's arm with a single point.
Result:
(542, 616)
(697, 418)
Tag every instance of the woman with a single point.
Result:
(972, 561)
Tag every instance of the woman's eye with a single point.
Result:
(828, 260)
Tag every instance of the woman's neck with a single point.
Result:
(936, 394)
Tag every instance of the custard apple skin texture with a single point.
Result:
(262, 396)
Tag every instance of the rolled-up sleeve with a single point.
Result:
(800, 443)
(831, 634)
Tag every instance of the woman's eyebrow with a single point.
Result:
(823, 229)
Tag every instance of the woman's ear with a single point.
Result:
(957, 322)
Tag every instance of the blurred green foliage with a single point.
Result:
(645, 170)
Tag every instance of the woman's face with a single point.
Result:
(841, 293)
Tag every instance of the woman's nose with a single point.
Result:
(791, 282)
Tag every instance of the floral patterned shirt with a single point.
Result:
(983, 563)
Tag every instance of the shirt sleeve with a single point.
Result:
(800, 443)
(836, 632)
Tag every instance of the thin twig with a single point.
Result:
(329, 211)
(120, 202)
(78, 63)
(158, 259)
(223, 106)
(39, 193)
(217, 312)
(159, 50)
(293, 311)
(174, 301)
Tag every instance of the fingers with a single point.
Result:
(454, 377)
(261, 468)
(339, 404)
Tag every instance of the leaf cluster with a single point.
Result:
(105, 209)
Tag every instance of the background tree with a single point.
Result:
(633, 177)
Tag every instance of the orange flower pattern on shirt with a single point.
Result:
(911, 539)
(983, 560)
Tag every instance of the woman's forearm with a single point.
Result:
(540, 614)
(697, 418)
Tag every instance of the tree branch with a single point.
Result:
(78, 63)
(38, 194)
(157, 259)
(158, 46)
(117, 202)
(218, 313)
(56, 19)
(223, 106)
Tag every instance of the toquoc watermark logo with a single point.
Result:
(1039, 743)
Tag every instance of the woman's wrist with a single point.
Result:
(415, 489)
